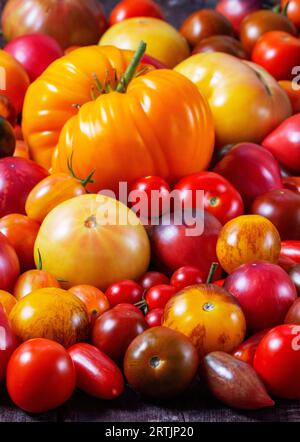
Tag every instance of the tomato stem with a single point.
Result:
(131, 69)
(284, 11)
(40, 263)
(212, 271)
(85, 181)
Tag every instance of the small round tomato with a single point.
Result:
(150, 197)
(186, 276)
(154, 317)
(150, 279)
(95, 301)
(132, 8)
(40, 375)
(278, 52)
(277, 361)
(125, 291)
(160, 362)
(21, 232)
(96, 373)
(246, 351)
(159, 295)
(220, 197)
(33, 280)
(8, 301)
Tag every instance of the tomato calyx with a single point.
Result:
(84, 182)
(132, 68)
(155, 362)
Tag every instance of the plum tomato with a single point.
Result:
(159, 295)
(150, 279)
(186, 276)
(95, 301)
(154, 317)
(132, 8)
(125, 291)
(246, 350)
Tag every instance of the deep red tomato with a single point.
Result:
(186, 276)
(40, 375)
(132, 8)
(278, 52)
(277, 361)
(220, 197)
(150, 279)
(246, 351)
(9, 265)
(159, 295)
(291, 249)
(292, 183)
(150, 196)
(154, 318)
(8, 343)
(114, 330)
(96, 373)
(131, 307)
(125, 291)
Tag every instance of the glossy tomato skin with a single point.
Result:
(131, 8)
(33, 280)
(221, 43)
(186, 276)
(277, 361)
(46, 372)
(246, 351)
(292, 183)
(114, 330)
(237, 10)
(158, 296)
(292, 11)
(9, 265)
(150, 279)
(7, 110)
(220, 197)
(8, 343)
(295, 276)
(292, 93)
(160, 362)
(96, 374)
(17, 177)
(21, 232)
(154, 317)
(125, 291)
(291, 249)
(8, 301)
(130, 307)
(293, 314)
(95, 301)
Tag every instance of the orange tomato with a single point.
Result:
(21, 150)
(245, 239)
(8, 301)
(33, 280)
(21, 233)
(209, 316)
(293, 94)
(50, 192)
(95, 301)
(14, 80)
(292, 11)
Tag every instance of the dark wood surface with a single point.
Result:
(194, 405)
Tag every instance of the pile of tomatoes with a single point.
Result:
(97, 290)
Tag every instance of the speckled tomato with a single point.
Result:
(247, 238)
(33, 280)
(8, 301)
(209, 316)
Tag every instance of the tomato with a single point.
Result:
(186, 276)
(247, 238)
(220, 197)
(126, 291)
(146, 192)
(277, 361)
(16, 80)
(237, 10)
(205, 23)
(21, 233)
(96, 373)
(7, 110)
(130, 307)
(154, 317)
(9, 265)
(50, 192)
(8, 342)
(21, 150)
(50, 313)
(291, 249)
(160, 362)
(209, 316)
(46, 373)
(33, 280)
(150, 279)
(246, 351)
(7, 138)
(292, 10)
(131, 8)
(221, 43)
(8, 301)
(91, 239)
(293, 314)
(95, 301)
(158, 296)
(292, 183)
(293, 94)
(114, 330)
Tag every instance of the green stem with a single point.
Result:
(212, 271)
(40, 263)
(84, 182)
(284, 11)
(131, 70)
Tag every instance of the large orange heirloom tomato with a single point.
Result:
(247, 103)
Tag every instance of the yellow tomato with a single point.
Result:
(245, 239)
(33, 280)
(93, 240)
(164, 42)
(7, 300)
(209, 316)
(246, 102)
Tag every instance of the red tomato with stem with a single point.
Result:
(220, 198)
(277, 361)
(150, 279)
(9, 265)
(46, 373)
(186, 276)
(96, 373)
(159, 295)
(154, 317)
(125, 291)
(132, 8)
(246, 351)
(278, 52)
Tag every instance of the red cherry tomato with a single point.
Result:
(151, 197)
(129, 307)
(133, 8)
(291, 249)
(186, 276)
(96, 373)
(125, 291)
(220, 197)
(159, 295)
(154, 317)
(40, 375)
(278, 52)
(150, 279)
(277, 361)
(246, 351)
(8, 343)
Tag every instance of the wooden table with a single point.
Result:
(194, 405)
